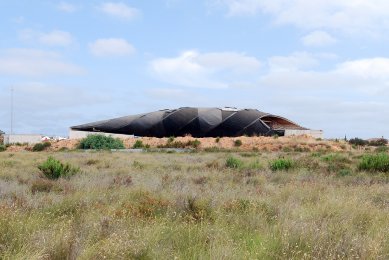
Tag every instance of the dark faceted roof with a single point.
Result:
(197, 122)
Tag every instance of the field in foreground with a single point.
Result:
(246, 205)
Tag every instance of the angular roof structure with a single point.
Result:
(197, 122)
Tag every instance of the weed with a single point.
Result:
(233, 163)
(374, 162)
(100, 142)
(237, 143)
(138, 144)
(287, 149)
(379, 149)
(200, 180)
(138, 165)
(2, 148)
(41, 185)
(122, 181)
(281, 164)
(256, 165)
(41, 146)
(54, 169)
(92, 162)
(213, 164)
(197, 210)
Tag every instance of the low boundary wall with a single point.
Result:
(22, 139)
(313, 133)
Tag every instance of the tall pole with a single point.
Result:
(12, 108)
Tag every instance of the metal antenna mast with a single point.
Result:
(12, 109)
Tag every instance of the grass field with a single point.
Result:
(194, 206)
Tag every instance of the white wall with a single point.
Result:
(74, 134)
(29, 139)
(313, 133)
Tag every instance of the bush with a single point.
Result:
(41, 185)
(138, 144)
(237, 143)
(101, 142)
(54, 169)
(2, 148)
(281, 164)
(381, 149)
(233, 163)
(379, 142)
(40, 146)
(194, 143)
(374, 162)
(217, 140)
(178, 144)
(358, 141)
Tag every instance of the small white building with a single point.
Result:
(22, 138)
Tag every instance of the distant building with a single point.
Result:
(22, 139)
(197, 122)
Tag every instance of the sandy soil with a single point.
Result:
(300, 143)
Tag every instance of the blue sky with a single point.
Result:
(321, 63)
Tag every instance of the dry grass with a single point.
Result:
(191, 206)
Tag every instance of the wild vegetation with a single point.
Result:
(197, 205)
(100, 142)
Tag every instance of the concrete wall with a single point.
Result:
(73, 134)
(313, 133)
(29, 139)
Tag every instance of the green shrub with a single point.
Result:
(379, 142)
(281, 164)
(2, 148)
(374, 162)
(237, 143)
(138, 144)
(358, 141)
(344, 172)
(194, 143)
(178, 144)
(233, 163)
(101, 142)
(40, 146)
(54, 169)
(217, 140)
(381, 149)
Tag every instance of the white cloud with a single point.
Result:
(48, 108)
(35, 63)
(119, 10)
(111, 47)
(368, 77)
(67, 7)
(53, 38)
(344, 15)
(375, 68)
(318, 39)
(295, 61)
(207, 70)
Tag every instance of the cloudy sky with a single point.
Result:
(321, 63)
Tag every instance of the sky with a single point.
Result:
(321, 63)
